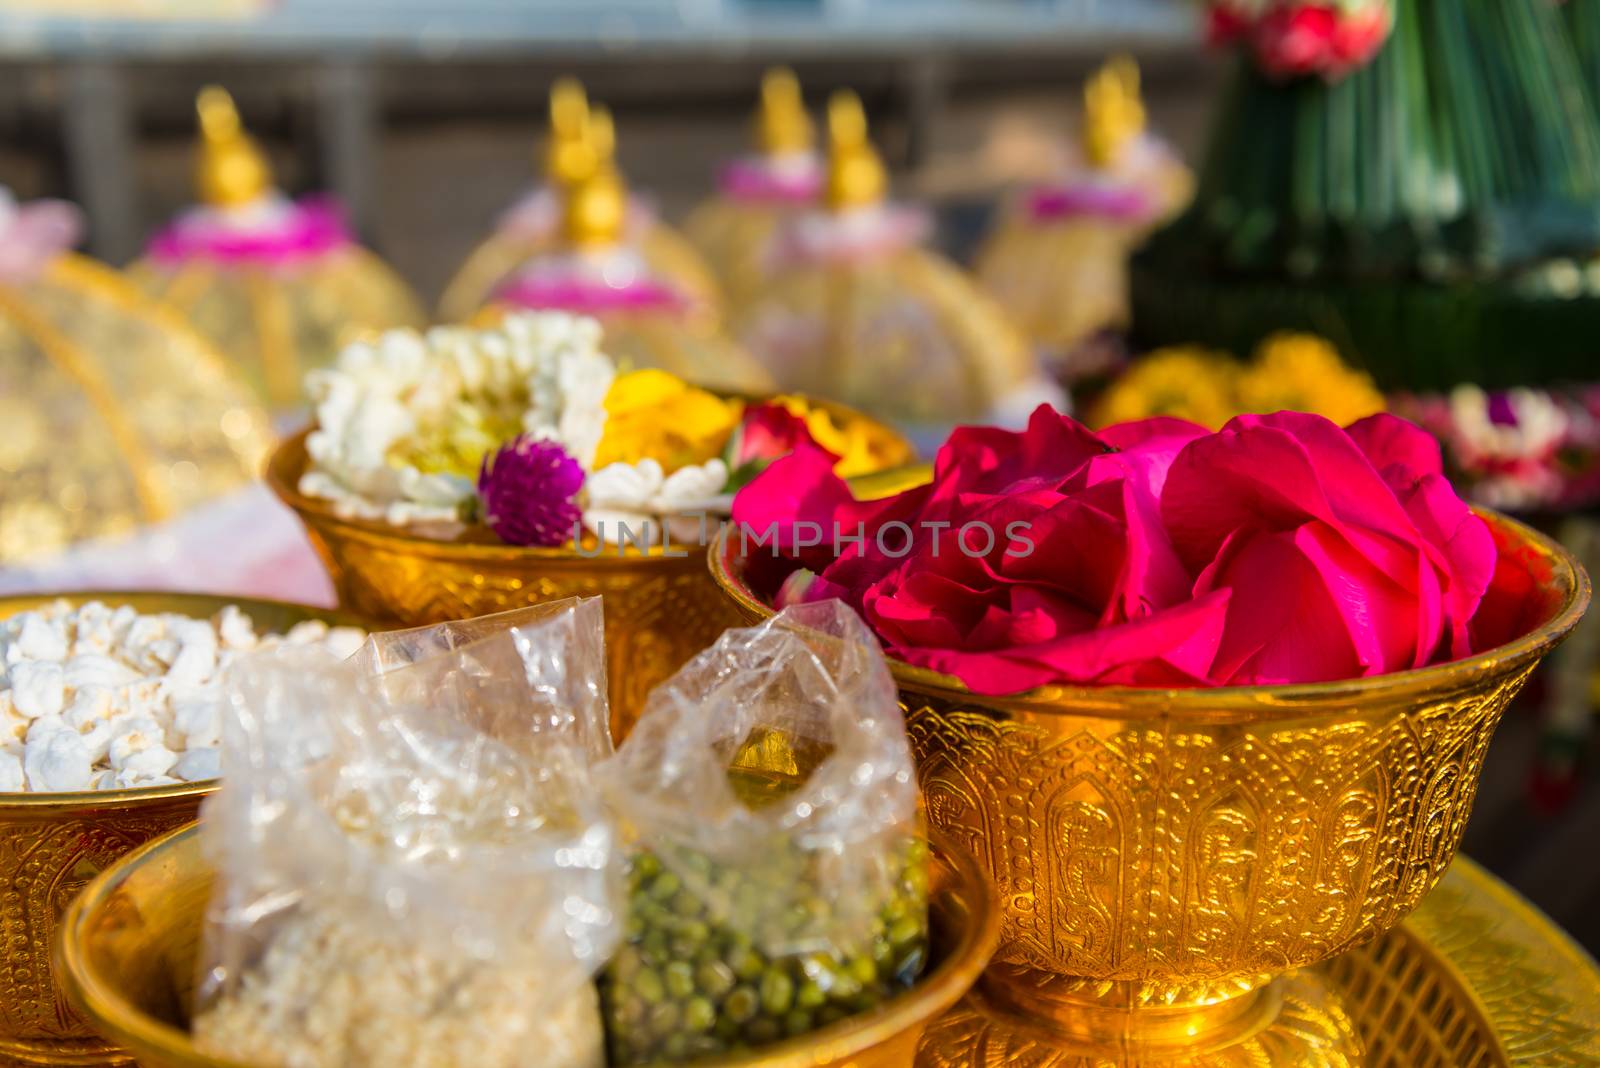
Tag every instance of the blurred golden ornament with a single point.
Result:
(649, 322)
(782, 125)
(1113, 112)
(582, 142)
(114, 413)
(1057, 259)
(856, 309)
(279, 287)
(232, 170)
(734, 228)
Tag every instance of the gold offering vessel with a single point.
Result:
(1165, 859)
(582, 140)
(128, 948)
(661, 606)
(1058, 260)
(856, 308)
(590, 270)
(53, 844)
(735, 228)
(275, 316)
(114, 413)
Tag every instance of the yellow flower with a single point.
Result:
(1303, 373)
(1188, 383)
(654, 415)
(862, 445)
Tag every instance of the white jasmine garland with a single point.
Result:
(544, 370)
(629, 502)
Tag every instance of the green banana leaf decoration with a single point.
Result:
(1422, 211)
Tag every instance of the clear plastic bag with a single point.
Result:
(414, 867)
(778, 879)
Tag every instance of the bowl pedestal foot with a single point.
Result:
(1035, 1020)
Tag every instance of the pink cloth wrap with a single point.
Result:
(312, 227)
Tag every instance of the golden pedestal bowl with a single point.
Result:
(661, 607)
(128, 948)
(52, 844)
(1166, 858)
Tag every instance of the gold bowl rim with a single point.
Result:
(1231, 702)
(78, 802)
(287, 464)
(939, 989)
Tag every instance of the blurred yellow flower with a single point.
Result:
(651, 414)
(862, 445)
(1188, 383)
(1303, 373)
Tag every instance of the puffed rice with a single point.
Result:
(102, 698)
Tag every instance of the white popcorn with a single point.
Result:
(38, 687)
(40, 640)
(96, 698)
(197, 719)
(198, 764)
(97, 671)
(235, 628)
(11, 780)
(57, 761)
(133, 736)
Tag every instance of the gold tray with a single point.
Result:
(1475, 978)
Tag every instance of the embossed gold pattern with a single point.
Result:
(1475, 978)
(51, 845)
(660, 609)
(1161, 850)
(128, 947)
(114, 413)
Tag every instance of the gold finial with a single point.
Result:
(782, 125)
(232, 168)
(1113, 113)
(569, 154)
(855, 173)
(595, 209)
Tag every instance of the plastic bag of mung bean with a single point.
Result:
(778, 878)
(413, 866)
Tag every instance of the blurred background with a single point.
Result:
(426, 118)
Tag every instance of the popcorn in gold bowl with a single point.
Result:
(107, 739)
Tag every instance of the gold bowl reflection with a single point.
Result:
(1162, 855)
(129, 944)
(661, 608)
(52, 844)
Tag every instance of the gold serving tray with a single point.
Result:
(1475, 978)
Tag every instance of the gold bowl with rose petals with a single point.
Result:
(661, 606)
(52, 844)
(128, 948)
(1166, 859)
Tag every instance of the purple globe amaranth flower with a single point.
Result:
(528, 492)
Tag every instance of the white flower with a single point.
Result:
(627, 503)
(543, 369)
(1538, 423)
